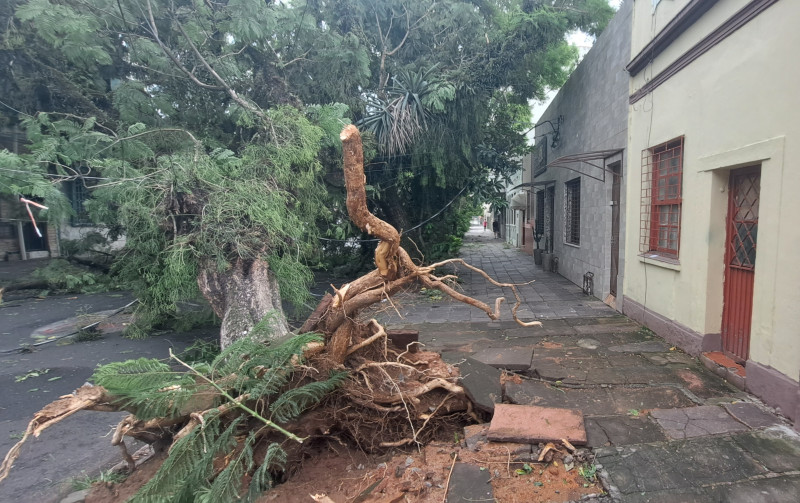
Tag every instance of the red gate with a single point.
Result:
(740, 260)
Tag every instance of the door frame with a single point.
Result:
(738, 351)
(616, 217)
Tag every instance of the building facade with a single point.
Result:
(576, 201)
(711, 244)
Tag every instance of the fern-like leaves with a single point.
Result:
(293, 402)
(149, 387)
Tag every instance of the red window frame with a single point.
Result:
(662, 198)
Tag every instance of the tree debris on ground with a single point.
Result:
(235, 423)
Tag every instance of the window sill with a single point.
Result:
(572, 245)
(653, 258)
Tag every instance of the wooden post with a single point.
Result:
(23, 253)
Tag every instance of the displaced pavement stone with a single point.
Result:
(475, 435)
(553, 369)
(531, 424)
(481, 382)
(696, 421)
(622, 430)
(514, 358)
(641, 347)
(469, 483)
(751, 415)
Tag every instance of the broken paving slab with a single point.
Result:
(481, 383)
(553, 369)
(590, 401)
(530, 424)
(696, 421)
(622, 430)
(513, 358)
(468, 483)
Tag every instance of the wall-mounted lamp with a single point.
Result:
(556, 131)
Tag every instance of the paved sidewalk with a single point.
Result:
(550, 296)
(663, 428)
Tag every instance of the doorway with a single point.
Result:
(740, 260)
(616, 173)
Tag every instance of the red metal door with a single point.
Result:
(740, 260)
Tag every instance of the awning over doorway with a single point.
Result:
(573, 161)
(519, 201)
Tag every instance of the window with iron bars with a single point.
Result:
(539, 225)
(572, 212)
(78, 193)
(662, 181)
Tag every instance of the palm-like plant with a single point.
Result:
(410, 102)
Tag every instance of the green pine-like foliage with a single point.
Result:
(152, 388)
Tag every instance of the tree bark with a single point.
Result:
(242, 296)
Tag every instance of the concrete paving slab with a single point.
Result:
(773, 490)
(648, 397)
(531, 424)
(468, 483)
(622, 430)
(777, 448)
(595, 401)
(514, 358)
(481, 382)
(552, 369)
(752, 415)
(630, 375)
(696, 421)
(605, 329)
(672, 466)
(641, 347)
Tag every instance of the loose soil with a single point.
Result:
(349, 476)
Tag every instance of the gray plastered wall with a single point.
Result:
(594, 106)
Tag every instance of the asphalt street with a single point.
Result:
(79, 446)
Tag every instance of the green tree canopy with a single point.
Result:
(208, 130)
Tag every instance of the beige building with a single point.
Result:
(713, 239)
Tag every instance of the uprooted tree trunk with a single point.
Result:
(241, 296)
(387, 396)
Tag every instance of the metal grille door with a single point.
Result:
(740, 260)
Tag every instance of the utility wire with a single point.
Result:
(353, 240)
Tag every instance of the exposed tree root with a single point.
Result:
(392, 397)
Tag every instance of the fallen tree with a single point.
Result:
(249, 413)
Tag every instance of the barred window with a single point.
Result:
(572, 212)
(662, 180)
(540, 212)
(78, 194)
